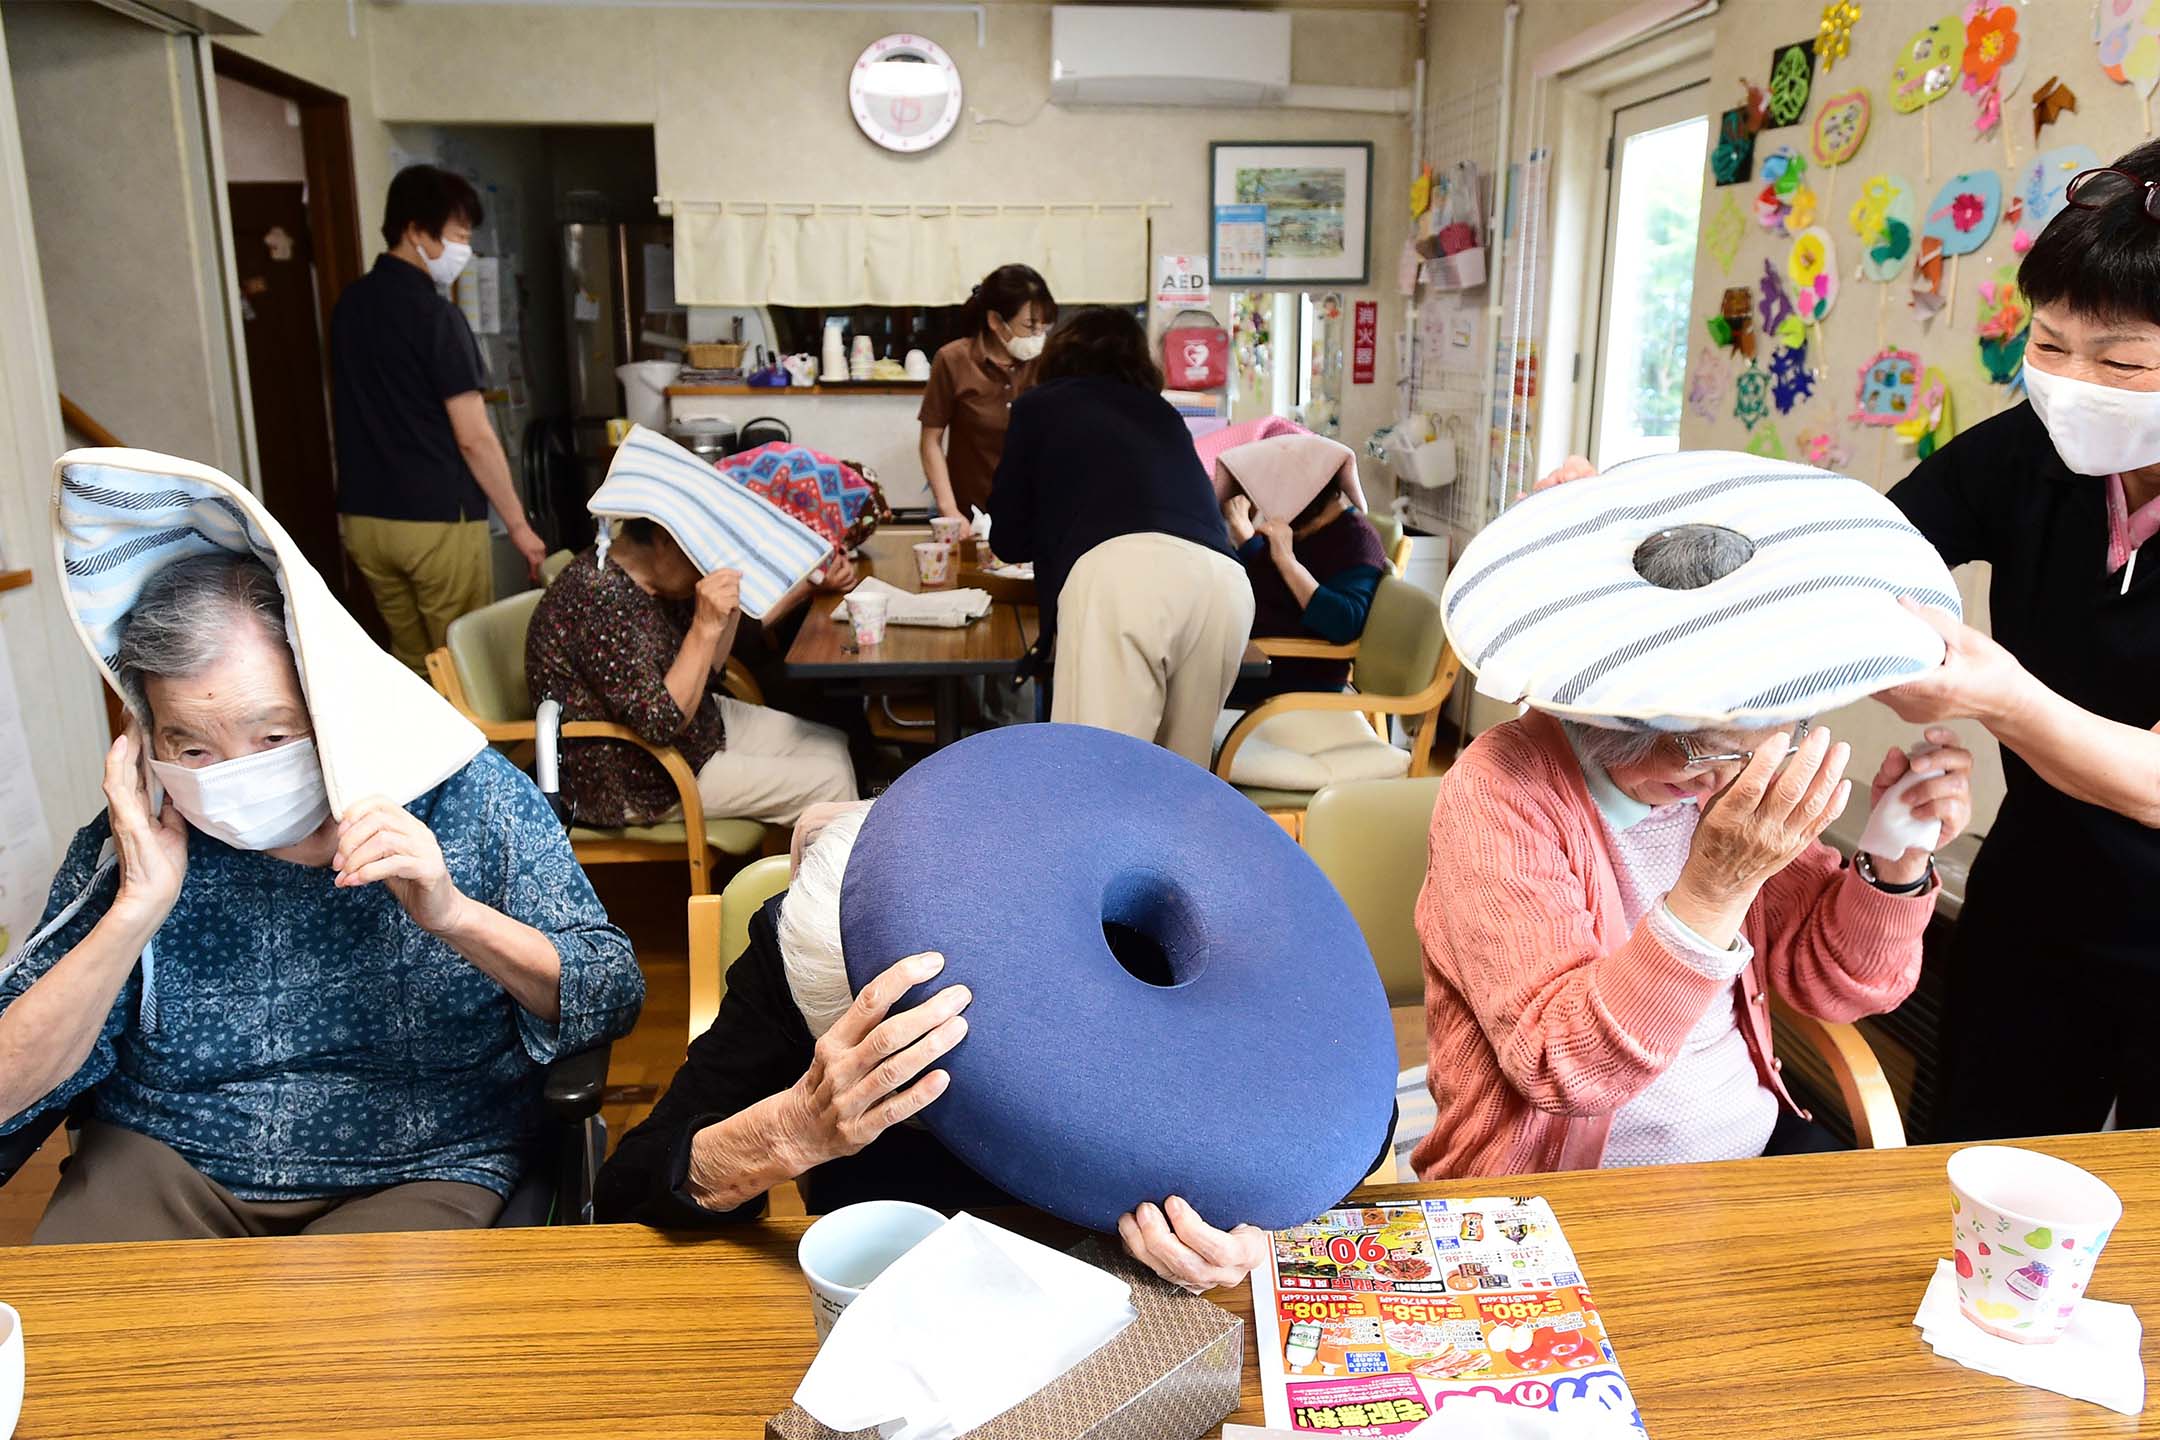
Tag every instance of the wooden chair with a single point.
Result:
(720, 929)
(1401, 665)
(1369, 838)
(481, 670)
(1393, 538)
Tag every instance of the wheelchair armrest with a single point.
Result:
(575, 1083)
(17, 1148)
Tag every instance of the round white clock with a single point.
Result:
(905, 92)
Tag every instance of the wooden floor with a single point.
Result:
(648, 902)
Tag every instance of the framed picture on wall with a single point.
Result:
(1290, 212)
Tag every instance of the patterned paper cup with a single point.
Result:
(933, 561)
(868, 613)
(947, 529)
(2026, 1229)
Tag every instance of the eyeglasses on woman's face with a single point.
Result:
(2098, 189)
(1700, 760)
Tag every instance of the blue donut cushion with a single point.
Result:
(1169, 996)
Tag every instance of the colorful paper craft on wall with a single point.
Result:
(1926, 291)
(1706, 386)
(2005, 324)
(1928, 67)
(1790, 379)
(2049, 102)
(1732, 160)
(1991, 45)
(1823, 449)
(1785, 204)
(1792, 77)
(1885, 396)
(1765, 443)
(1724, 232)
(1813, 267)
(1775, 306)
(1840, 126)
(1751, 404)
(1833, 33)
(2041, 185)
(1885, 218)
(2128, 34)
(1733, 327)
(1965, 211)
(1929, 424)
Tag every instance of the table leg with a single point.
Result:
(945, 698)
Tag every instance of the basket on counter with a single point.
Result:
(714, 355)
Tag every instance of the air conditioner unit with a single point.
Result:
(1149, 55)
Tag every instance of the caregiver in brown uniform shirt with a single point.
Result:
(973, 382)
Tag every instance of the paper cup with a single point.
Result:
(933, 562)
(846, 1250)
(2025, 1230)
(11, 1371)
(867, 612)
(946, 529)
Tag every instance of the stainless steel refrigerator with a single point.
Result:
(618, 306)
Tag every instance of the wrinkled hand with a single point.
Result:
(1237, 514)
(379, 841)
(1575, 467)
(1978, 679)
(532, 547)
(812, 822)
(839, 574)
(153, 850)
(1947, 798)
(1762, 821)
(1280, 539)
(863, 1074)
(718, 597)
(1174, 1242)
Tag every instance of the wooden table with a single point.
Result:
(1759, 1298)
(824, 649)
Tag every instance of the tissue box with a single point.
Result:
(1170, 1375)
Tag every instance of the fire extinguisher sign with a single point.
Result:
(1364, 340)
(1181, 280)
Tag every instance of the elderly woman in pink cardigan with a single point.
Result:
(1606, 914)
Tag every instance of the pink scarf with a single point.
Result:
(1284, 473)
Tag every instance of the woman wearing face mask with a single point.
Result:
(2059, 496)
(974, 381)
(282, 1020)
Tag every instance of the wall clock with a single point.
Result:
(905, 92)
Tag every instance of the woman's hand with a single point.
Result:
(1237, 514)
(1575, 467)
(1185, 1250)
(1978, 679)
(1281, 541)
(719, 595)
(1756, 827)
(380, 841)
(839, 574)
(1947, 798)
(153, 849)
(863, 1074)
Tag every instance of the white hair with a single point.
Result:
(809, 926)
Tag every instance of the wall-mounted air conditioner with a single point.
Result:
(1148, 55)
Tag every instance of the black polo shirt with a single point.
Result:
(2000, 493)
(398, 350)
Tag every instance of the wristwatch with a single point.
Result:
(1865, 864)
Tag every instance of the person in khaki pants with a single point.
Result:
(418, 461)
(1144, 606)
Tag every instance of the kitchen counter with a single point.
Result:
(872, 423)
(844, 387)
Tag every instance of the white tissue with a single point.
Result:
(1892, 830)
(961, 1328)
(2096, 1359)
(980, 524)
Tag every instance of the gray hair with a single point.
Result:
(1610, 749)
(181, 623)
(1688, 557)
(809, 928)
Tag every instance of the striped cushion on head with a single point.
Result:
(1547, 608)
(720, 525)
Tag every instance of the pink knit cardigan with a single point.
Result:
(1544, 1015)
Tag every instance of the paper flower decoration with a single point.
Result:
(1991, 42)
(1927, 297)
(2043, 183)
(2049, 102)
(1884, 219)
(1765, 443)
(1751, 404)
(1929, 66)
(1790, 379)
(1784, 175)
(1965, 211)
(1792, 77)
(1833, 35)
(1707, 385)
(1732, 159)
(1886, 388)
(1929, 424)
(2128, 34)
(1813, 267)
(1421, 192)
(2005, 323)
(1840, 126)
(1823, 449)
(1723, 234)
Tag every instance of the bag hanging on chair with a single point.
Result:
(1195, 357)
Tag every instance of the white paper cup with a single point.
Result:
(846, 1250)
(2026, 1229)
(11, 1371)
(946, 529)
(868, 614)
(933, 561)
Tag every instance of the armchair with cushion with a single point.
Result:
(1393, 538)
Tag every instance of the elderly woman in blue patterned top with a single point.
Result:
(346, 1022)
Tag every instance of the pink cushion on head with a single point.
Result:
(1284, 473)
(1242, 433)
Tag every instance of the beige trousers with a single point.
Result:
(1151, 630)
(774, 765)
(123, 1186)
(423, 574)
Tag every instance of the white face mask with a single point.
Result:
(1025, 347)
(444, 269)
(2097, 429)
(263, 801)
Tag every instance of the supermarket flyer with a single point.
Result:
(1374, 1318)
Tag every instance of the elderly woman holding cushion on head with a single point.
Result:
(1608, 910)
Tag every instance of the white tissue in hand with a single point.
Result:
(1892, 830)
(963, 1327)
(979, 523)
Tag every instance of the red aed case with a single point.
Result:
(1195, 357)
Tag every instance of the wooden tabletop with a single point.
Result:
(1760, 1298)
(824, 648)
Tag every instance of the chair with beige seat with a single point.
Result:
(481, 670)
(1369, 838)
(1394, 540)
